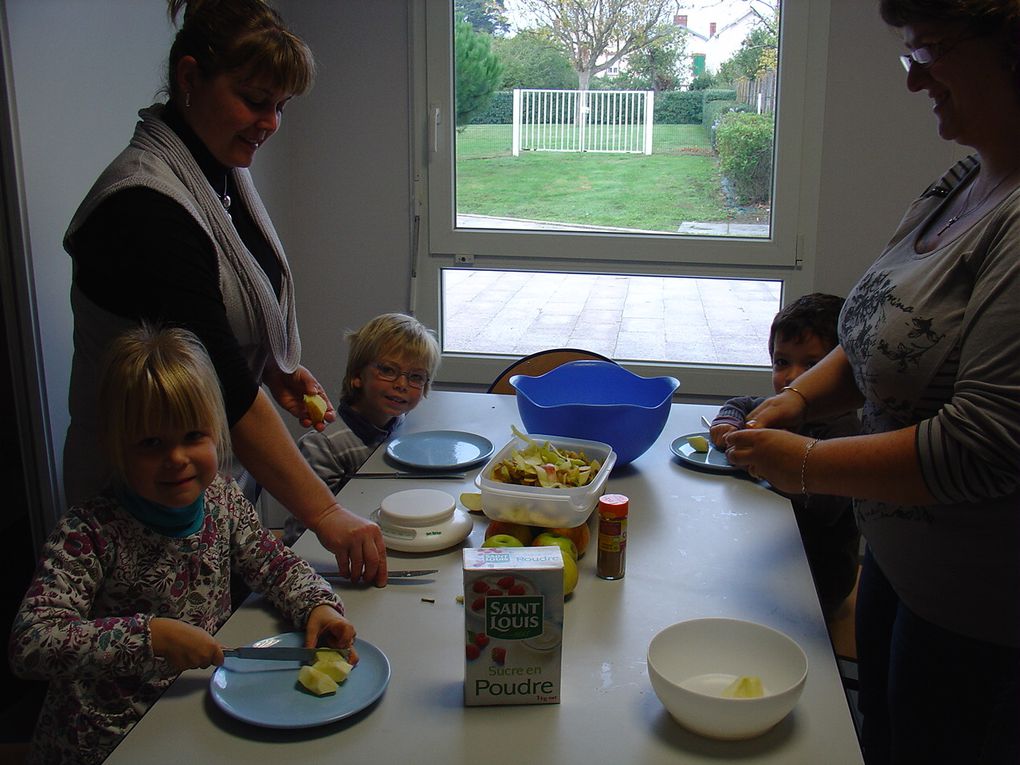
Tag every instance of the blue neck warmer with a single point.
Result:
(168, 521)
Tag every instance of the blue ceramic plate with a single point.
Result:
(267, 694)
(439, 449)
(713, 459)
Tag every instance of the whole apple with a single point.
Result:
(502, 540)
(570, 574)
(548, 538)
(519, 530)
(580, 535)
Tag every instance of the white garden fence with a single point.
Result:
(583, 120)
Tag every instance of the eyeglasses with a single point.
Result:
(390, 373)
(927, 55)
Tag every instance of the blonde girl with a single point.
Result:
(133, 584)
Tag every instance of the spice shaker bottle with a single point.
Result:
(612, 558)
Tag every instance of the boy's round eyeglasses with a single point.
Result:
(927, 55)
(390, 373)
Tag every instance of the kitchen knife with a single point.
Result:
(447, 476)
(275, 653)
(395, 574)
(403, 574)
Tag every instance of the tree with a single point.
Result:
(488, 16)
(531, 60)
(759, 52)
(756, 56)
(658, 64)
(600, 33)
(478, 71)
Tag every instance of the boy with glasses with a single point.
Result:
(390, 367)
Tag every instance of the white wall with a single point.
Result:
(336, 178)
(339, 187)
(77, 89)
(880, 149)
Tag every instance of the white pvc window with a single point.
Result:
(454, 236)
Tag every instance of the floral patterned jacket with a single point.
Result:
(84, 623)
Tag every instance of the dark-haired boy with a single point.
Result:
(801, 335)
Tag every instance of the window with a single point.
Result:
(471, 226)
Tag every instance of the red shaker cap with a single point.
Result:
(615, 505)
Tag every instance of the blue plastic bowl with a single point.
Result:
(596, 401)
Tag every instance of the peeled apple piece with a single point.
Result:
(698, 443)
(316, 681)
(336, 670)
(316, 407)
(329, 654)
(744, 687)
(472, 500)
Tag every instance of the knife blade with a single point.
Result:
(447, 476)
(272, 653)
(395, 574)
(403, 574)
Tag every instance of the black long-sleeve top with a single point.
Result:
(141, 255)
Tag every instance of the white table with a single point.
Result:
(700, 544)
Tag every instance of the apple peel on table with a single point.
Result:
(317, 407)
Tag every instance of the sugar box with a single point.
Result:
(513, 621)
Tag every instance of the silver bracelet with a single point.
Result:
(803, 466)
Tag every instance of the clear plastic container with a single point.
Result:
(538, 506)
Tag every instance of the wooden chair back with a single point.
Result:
(538, 364)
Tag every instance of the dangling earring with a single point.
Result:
(187, 100)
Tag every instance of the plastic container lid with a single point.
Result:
(417, 507)
(614, 505)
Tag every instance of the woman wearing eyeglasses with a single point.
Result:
(174, 232)
(930, 348)
(390, 365)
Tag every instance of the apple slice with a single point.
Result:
(317, 407)
(316, 681)
(337, 670)
(698, 443)
(472, 500)
(329, 655)
(744, 687)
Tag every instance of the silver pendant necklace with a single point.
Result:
(968, 210)
(225, 197)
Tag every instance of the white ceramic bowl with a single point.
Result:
(689, 663)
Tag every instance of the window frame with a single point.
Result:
(440, 244)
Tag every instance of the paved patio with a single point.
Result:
(709, 321)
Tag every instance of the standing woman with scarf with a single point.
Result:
(174, 232)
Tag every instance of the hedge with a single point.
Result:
(713, 112)
(678, 107)
(500, 110)
(672, 107)
(744, 143)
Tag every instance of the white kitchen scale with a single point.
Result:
(421, 520)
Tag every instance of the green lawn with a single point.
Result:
(678, 182)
